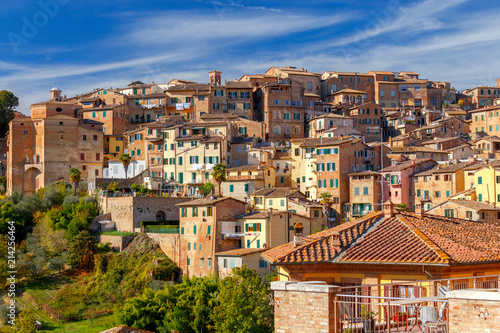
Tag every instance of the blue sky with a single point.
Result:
(82, 45)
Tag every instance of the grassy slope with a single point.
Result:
(72, 296)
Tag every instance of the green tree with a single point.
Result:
(81, 251)
(125, 159)
(26, 322)
(113, 187)
(75, 176)
(327, 202)
(206, 189)
(8, 102)
(219, 174)
(244, 304)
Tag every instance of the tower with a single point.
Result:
(55, 94)
(215, 77)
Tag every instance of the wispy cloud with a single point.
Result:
(183, 27)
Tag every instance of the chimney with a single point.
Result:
(420, 209)
(388, 209)
(270, 211)
(298, 233)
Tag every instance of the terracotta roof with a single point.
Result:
(365, 173)
(250, 167)
(275, 192)
(218, 116)
(413, 149)
(239, 84)
(404, 238)
(323, 246)
(463, 241)
(313, 142)
(392, 241)
(475, 204)
(196, 86)
(239, 252)
(349, 91)
(406, 164)
(205, 202)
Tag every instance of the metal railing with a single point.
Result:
(403, 306)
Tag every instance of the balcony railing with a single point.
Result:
(402, 306)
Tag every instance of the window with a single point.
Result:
(246, 187)
(82, 156)
(189, 261)
(365, 190)
(309, 85)
(286, 116)
(479, 180)
(480, 197)
(201, 261)
(356, 190)
(231, 188)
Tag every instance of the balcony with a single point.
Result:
(195, 181)
(396, 307)
(248, 177)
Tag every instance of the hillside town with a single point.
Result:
(350, 186)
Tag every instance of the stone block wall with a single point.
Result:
(128, 212)
(303, 307)
(118, 243)
(169, 244)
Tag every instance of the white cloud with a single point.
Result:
(181, 28)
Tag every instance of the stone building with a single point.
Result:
(365, 195)
(368, 120)
(43, 148)
(436, 185)
(201, 233)
(242, 181)
(279, 106)
(467, 210)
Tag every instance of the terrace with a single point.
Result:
(406, 306)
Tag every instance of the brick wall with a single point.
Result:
(303, 307)
(474, 311)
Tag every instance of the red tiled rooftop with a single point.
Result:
(404, 238)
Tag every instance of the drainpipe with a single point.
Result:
(276, 271)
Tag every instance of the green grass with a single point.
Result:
(117, 233)
(98, 325)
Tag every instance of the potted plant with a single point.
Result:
(367, 318)
(400, 317)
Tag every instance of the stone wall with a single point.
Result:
(128, 212)
(169, 244)
(474, 311)
(303, 307)
(118, 243)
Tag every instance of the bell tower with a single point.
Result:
(215, 78)
(55, 94)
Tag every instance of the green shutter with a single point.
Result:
(208, 230)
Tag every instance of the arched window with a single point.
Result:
(160, 216)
